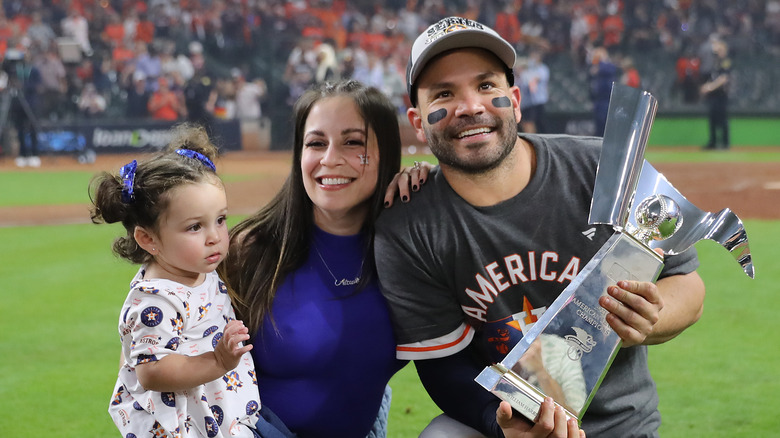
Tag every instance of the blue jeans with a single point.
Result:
(270, 426)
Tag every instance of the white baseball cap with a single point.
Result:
(455, 33)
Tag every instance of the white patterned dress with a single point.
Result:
(162, 317)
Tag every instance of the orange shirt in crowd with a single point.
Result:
(114, 33)
(632, 78)
(144, 31)
(508, 26)
(121, 54)
(164, 104)
(613, 30)
(331, 26)
(594, 29)
(22, 22)
(8, 30)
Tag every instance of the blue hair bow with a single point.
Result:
(198, 156)
(127, 173)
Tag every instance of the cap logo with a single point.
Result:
(451, 24)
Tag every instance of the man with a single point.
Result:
(53, 84)
(601, 74)
(19, 82)
(248, 96)
(200, 93)
(715, 92)
(536, 76)
(500, 229)
(138, 96)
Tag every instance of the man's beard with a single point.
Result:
(439, 142)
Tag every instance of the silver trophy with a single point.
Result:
(567, 352)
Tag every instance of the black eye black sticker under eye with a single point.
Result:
(502, 102)
(437, 116)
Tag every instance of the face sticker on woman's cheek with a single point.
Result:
(502, 102)
(363, 158)
(437, 116)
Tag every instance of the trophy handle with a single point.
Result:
(624, 180)
(723, 227)
(731, 234)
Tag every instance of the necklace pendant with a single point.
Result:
(345, 282)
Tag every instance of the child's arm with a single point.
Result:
(176, 372)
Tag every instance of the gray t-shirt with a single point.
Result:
(455, 274)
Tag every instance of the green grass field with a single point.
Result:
(63, 289)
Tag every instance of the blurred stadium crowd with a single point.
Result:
(203, 59)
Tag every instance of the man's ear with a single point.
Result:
(145, 239)
(516, 98)
(413, 114)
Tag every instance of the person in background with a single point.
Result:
(53, 85)
(521, 80)
(76, 26)
(499, 231)
(602, 74)
(301, 67)
(19, 83)
(225, 104)
(327, 68)
(688, 79)
(164, 103)
(147, 61)
(716, 93)
(536, 76)
(138, 95)
(40, 33)
(303, 273)
(200, 93)
(630, 74)
(249, 96)
(90, 102)
(172, 62)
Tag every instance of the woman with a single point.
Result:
(303, 272)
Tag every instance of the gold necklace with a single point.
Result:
(343, 281)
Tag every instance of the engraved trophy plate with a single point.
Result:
(567, 352)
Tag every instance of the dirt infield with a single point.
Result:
(751, 190)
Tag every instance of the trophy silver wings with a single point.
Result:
(567, 352)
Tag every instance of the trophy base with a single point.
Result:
(521, 395)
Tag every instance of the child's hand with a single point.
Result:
(230, 349)
(177, 372)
